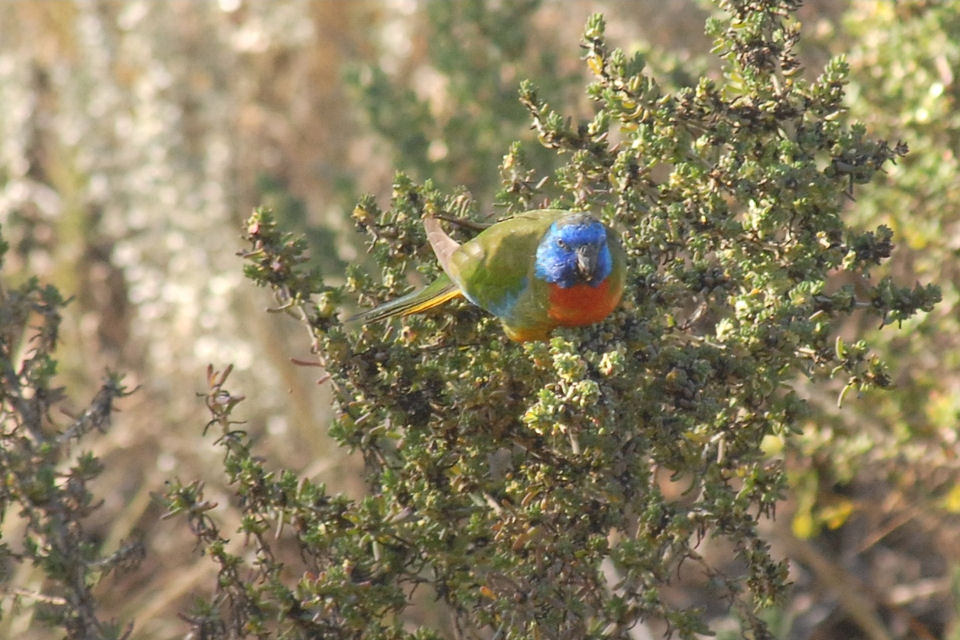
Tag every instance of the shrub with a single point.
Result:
(554, 489)
(46, 481)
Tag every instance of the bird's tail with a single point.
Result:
(429, 297)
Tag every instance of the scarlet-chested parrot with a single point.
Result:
(536, 271)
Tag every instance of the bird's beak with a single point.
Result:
(587, 260)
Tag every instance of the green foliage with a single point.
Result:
(477, 51)
(345, 591)
(532, 488)
(905, 84)
(292, 211)
(887, 465)
(45, 486)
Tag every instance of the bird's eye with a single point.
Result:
(561, 244)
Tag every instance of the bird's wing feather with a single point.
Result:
(442, 244)
(495, 269)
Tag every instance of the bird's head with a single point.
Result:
(574, 251)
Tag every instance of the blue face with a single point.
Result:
(574, 251)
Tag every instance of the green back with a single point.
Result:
(495, 270)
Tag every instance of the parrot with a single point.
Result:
(534, 272)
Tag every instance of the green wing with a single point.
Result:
(495, 269)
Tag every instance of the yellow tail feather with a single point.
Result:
(435, 301)
(440, 291)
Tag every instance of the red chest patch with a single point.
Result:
(582, 304)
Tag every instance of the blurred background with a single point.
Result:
(136, 136)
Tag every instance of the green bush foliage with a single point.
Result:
(478, 51)
(526, 487)
(902, 88)
(46, 479)
(876, 487)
